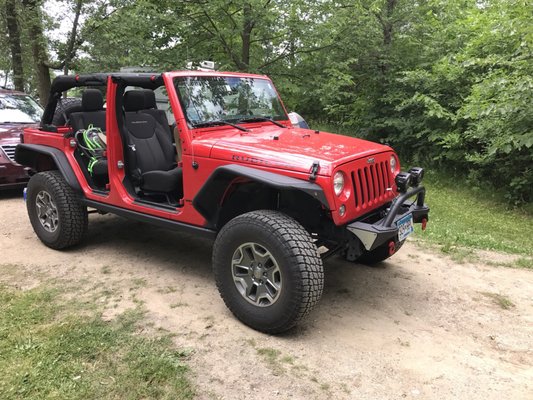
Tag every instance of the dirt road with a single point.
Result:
(419, 326)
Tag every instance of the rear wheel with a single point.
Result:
(268, 270)
(56, 214)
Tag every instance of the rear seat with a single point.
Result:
(93, 113)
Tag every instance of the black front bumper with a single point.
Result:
(374, 234)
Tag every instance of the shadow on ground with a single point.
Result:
(348, 286)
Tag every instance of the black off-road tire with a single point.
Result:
(64, 108)
(72, 215)
(300, 264)
(379, 254)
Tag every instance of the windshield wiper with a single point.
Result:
(259, 119)
(219, 122)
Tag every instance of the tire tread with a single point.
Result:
(72, 214)
(300, 250)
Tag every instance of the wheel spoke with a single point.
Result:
(272, 287)
(256, 274)
(247, 255)
(274, 274)
(252, 289)
(40, 210)
(241, 270)
(46, 211)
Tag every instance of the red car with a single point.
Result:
(221, 159)
(17, 111)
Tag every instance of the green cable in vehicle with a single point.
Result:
(93, 147)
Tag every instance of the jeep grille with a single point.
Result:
(370, 184)
(9, 150)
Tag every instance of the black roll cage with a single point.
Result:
(63, 83)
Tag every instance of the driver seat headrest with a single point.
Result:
(149, 99)
(134, 100)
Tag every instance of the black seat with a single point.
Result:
(93, 113)
(151, 155)
(150, 107)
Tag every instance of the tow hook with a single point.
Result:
(392, 247)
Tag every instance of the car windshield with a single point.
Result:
(19, 109)
(214, 99)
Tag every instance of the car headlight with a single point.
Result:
(338, 182)
(393, 164)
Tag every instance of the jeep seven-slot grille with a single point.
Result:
(370, 183)
(10, 151)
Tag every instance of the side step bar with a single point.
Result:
(157, 221)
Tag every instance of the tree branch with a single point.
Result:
(285, 55)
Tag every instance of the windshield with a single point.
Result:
(206, 99)
(19, 109)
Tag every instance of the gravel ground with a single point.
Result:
(418, 326)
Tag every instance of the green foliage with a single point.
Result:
(453, 89)
(447, 83)
(50, 348)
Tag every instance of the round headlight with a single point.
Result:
(392, 164)
(338, 183)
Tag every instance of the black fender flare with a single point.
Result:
(25, 154)
(208, 199)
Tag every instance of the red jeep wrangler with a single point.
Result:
(221, 161)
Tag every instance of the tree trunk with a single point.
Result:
(388, 24)
(13, 32)
(246, 35)
(38, 48)
(72, 38)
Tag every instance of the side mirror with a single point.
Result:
(297, 120)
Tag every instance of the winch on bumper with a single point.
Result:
(374, 234)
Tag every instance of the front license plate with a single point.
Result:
(405, 227)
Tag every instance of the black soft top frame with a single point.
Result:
(65, 82)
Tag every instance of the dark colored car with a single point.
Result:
(17, 111)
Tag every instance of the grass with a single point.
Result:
(499, 299)
(167, 290)
(467, 218)
(524, 262)
(59, 349)
(179, 304)
(139, 283)
(273, 358)
(106, 269)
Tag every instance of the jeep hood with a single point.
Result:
(293, 149)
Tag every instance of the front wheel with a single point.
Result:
(57, 216)
(268, 270)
